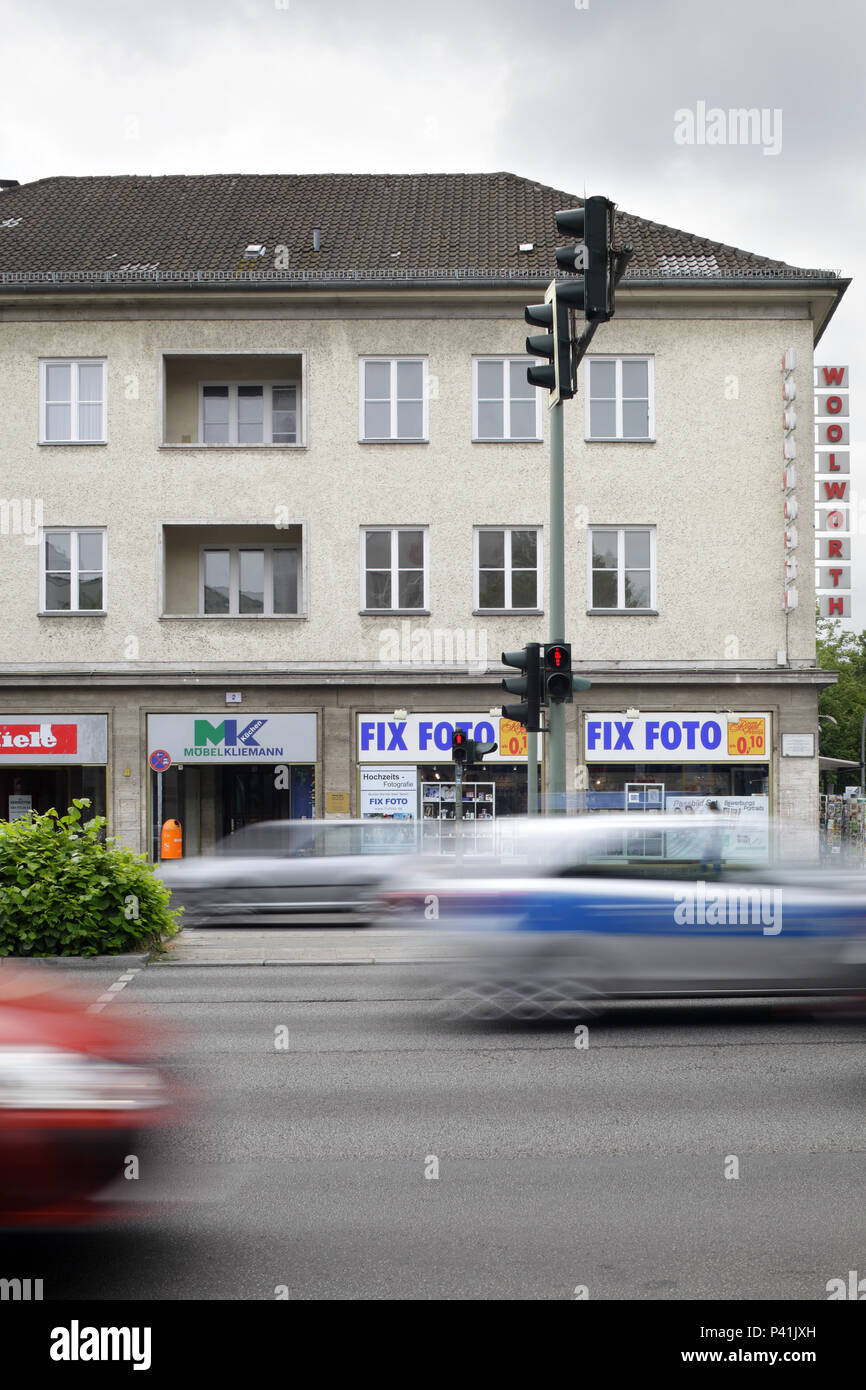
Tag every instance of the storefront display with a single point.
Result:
(215, 774)
(416, 748)
(841, 821)
(676, 760)
(439, 806)
(47, 761)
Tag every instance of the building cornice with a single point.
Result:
(618, 674)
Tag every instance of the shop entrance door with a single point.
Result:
(252, 794)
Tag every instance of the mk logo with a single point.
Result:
(227, 733)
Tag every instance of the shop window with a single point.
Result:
(73, 572)
(394, 569)
(508, 568)
(72, 401)
(619, 398)
(504, 405)
(393, 399)
(622, 569)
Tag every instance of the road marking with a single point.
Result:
(113, 990)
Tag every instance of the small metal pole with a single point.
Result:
(532, 774)
(159, 818)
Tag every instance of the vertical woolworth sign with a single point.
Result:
(833, 492)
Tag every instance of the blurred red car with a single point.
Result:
(78, 1098)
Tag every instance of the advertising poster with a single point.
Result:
(389, 793)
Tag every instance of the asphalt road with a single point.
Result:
(302, 1167)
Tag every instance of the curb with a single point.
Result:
(259, 961)
(80, 962)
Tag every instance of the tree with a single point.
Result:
(845, 652)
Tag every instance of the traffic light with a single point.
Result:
(528, 686)
(482, 749)
(555, 344)
(557, 674)
(594, 225)
(460, 746)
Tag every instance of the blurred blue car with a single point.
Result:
(572, 910)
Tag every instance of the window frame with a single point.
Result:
(74, 363)
(268, 388)
(538, 607)
(395, 532)
(620, 608)
(424, 437)
(507, 437)
(618, 359)
(234, 550)
(73, 611)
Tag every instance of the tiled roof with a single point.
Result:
(372, 227)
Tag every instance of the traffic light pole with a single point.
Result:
(556, 712)
(532, 774)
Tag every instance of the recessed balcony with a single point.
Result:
(240, 401)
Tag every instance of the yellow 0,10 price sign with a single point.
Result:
(512, 738)
(747, 737)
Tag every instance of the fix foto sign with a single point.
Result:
(426, 738)
(676, 737)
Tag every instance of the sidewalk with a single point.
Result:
(298, 946)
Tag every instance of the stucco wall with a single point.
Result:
(711, 483)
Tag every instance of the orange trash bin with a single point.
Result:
(172, 840)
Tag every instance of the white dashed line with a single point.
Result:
(113, 990)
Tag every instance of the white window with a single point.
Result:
(248, 413)
(73, 571)
(508, 568)
(504, 405)
(619, 398)
(72, 401)
(393, 398)
(394, 568)
(239, 581)
(622, 569)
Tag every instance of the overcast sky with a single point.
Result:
(581, 94)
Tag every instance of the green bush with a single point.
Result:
(66, 890)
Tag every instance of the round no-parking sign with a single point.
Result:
(160, 760)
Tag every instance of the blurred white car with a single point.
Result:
(306, 872)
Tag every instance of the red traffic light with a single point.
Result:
(557, 657)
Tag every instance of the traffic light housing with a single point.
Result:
(528, 713)
(594, 225)
(481, 750)
(555, 344)
(469, 750)
(557, 674)
(460, 746)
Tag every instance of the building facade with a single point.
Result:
(275, 498)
